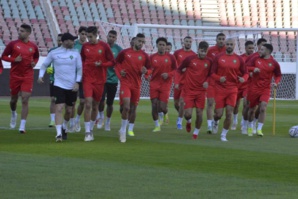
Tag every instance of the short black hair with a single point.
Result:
(187, 37)
(169, 44)
(269, 47)
(247, 43)
(82, 28)
(203, 45)
(133, 38)
(92, 29)
(60, 35)
(261, 40)
(26, 27)
(220, 35)
(140, 35)
(161, 39)
(113, 32)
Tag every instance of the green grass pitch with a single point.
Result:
(168, 164)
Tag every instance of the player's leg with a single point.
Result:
(52, 105)
(101, 107)
(235, 114)
(254, 100)
(135, 97)
(181, 113)
(217, 116)
(88, 92)
(163, 104)
(210, 112)
(111, 93)
(59, 107)
(94, 112)
(227, 122)
(255, 121)
(125, 95)
(187, 116)
(80, 108)
(154, 113)
(70, 99)
(25, 110)
(261, 119)
(199, 120)
(189, 103)
(245, 110)
(219, 107)
(15, 86)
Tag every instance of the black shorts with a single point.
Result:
(52, 89)
(81, 91)
(65, 96)
(109, 91)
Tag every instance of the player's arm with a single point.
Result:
(208, 79)
(35, 56)
(243, 71)
(147, 65)
(118, 67)
(79, 67)
(109, 56)
(173, 66)
(43, 67)
(214, 69)
(6, 55)
(277, 73)
(180, 70)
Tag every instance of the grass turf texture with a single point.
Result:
(168, 164)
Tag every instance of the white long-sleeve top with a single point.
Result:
(68, 67)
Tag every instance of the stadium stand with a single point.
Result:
(70, 14)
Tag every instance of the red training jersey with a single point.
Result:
(1, 67)
(197, 72)
(229, 66)
(268, 68)
(160, 64)
(92, 53)
(242, 86)
(29, 53)
(131, 61)
(180, 56)
(215, 50)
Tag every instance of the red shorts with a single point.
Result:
(210, 91)
(255, 98)
(241, 94)
(17, 84)
(177, 93)
(130, 92)
(194, 100)
(225, 97)
(162, 93)
(93, 90)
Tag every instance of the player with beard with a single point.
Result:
(228, 71)
(180, 56)
(264, 67)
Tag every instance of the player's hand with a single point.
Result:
(176, 86)
(147, 78)
(50, 70)
(274, 85)
(33, 64)
(223, 79)
(18, 58)
(205, 85)
(40, 80)
(241, 79)
(257, 70)
(75, 87)
(165, 75)
(98, 63)
(144, 70)
(122, 73)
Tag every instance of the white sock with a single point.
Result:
(242, 120)
(91, 125)
(87, 127)
(52, 116)
(209, 122)
(130, 126)
(58, 129)
(260, 126)
(235, 118)
(78, 118)
(108, 120)
(22, 125)
(71, 121)
(64, 124)
(160, 115)
(180, 120)
(98, 115)
(156, 123)
(216, 122)
(224, 132)
(245, 123)
(123, 125)
(250, 124)
(102, 114)
(255, 121)
(196, 131)
(13, 113)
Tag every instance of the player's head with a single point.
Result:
(260, 43)
(203, 49)
(249, 47)
(112, 37)
(187, 42)
(266, 50)
(92, 34)
(68, 40)
(24, 31)
(139, 41)
(83, 33)
(230, 45)
(161, 44)
(132, 41)
(220, 40)
(169, 47)
(59, 41)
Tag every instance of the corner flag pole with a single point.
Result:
(274, 110)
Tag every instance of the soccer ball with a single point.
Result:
(294, 131)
